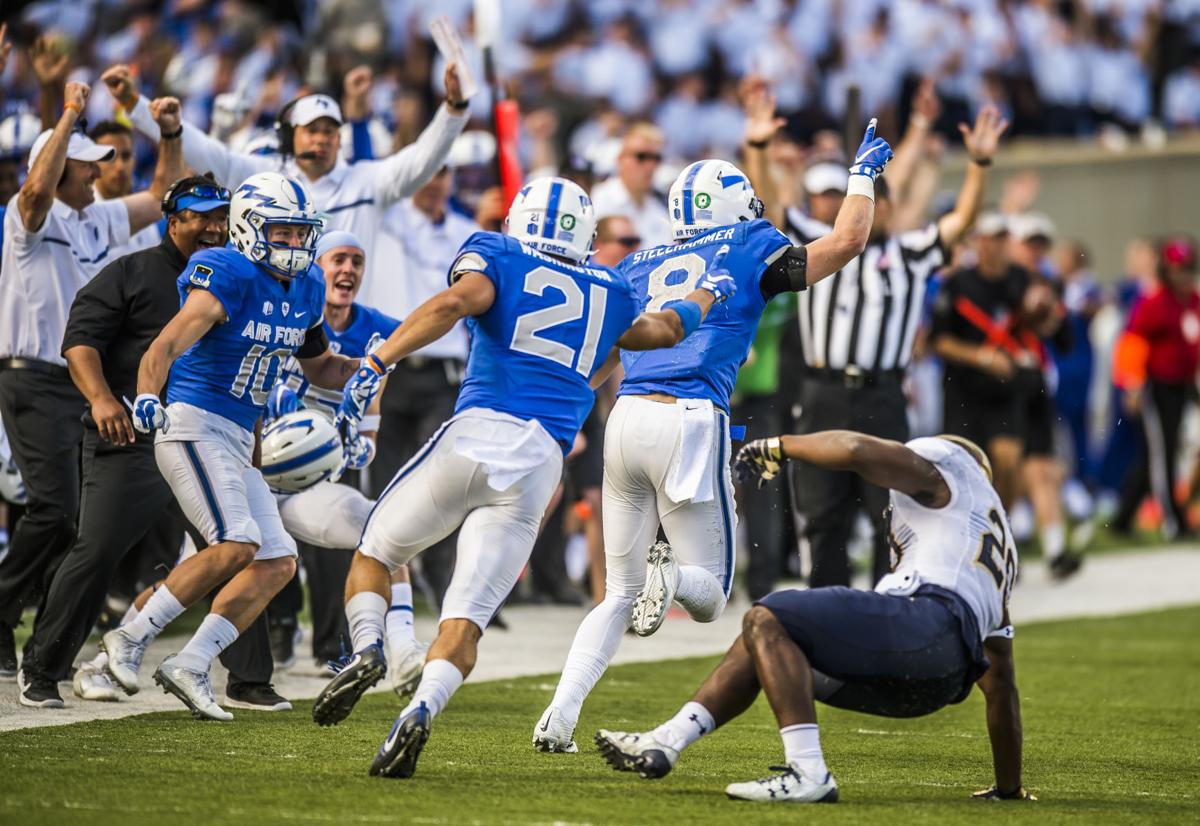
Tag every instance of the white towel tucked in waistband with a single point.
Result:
(692, 477)
(510, 451)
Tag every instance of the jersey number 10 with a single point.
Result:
(525, 338)
(254, 372)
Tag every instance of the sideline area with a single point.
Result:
(539, 636)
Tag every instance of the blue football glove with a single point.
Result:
(873, 154)
(281, 400)
(361, 389)
(148, 413)
(357, 449)
(717, 280)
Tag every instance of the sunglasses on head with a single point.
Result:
(642, 157)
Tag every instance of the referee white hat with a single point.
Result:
(79, 148)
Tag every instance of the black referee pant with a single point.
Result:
(766, 512)
(419, 396)
(41, 409)
(1153, 471)
(831, 499)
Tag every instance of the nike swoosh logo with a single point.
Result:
(545, 726)
(391, 740)
(299, 314)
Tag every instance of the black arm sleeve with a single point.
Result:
(786, 274)
(315, 343)
(98, 310)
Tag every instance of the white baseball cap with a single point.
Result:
(1030, 225)
(312, 107)
(990, 224)
(826, 177)
(79, 148)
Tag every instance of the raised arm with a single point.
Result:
(758, 104)
(146, 207)
(852, 227)
(999, 687)
(881, 462)
(38, 191)
(403, 173)
(201, 152)
(980, 142)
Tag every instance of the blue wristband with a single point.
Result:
(689, 313)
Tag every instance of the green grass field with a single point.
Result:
(1112, 734)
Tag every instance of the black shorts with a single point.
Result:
(884, 655)
(1040, 416)
(982, 418)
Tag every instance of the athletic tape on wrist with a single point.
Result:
(689, 313)
(861, 185)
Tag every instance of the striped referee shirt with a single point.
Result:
(866, 315)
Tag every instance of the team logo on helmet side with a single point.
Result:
(567, 222)
(703, 200)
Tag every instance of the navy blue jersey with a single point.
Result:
(550, 328)
(705, 364)
(233, 366)
(365, 324)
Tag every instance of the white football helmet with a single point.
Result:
(273, 198)
(300, 449)
(708, 194)
(17, 134)
(553, 215)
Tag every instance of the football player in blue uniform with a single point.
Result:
(244, 312)
(542, 325)
(666, 444)
(327, 514)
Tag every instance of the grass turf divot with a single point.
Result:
(1110, 709)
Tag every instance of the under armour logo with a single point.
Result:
(695, 718)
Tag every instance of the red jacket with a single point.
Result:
(1171, 327)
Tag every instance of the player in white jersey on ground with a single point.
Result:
(934, 626)
(332, 514)
(244, 311)
(666, 445)
(542, 327)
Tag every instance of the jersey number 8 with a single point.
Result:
(525, 338)
(691, 264)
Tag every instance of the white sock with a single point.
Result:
(1054, 540)
(99, 661)
(365, 612)
(398, 624)
(440, 679)
(802, 748)
(692, 722)
(159, 610)
(595, 643)
(700, 593)
(213, 636)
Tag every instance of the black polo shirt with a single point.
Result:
(123, 309)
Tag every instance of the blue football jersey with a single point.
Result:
(233, 366)
(365, 324)
(706, 363)
(550, 328)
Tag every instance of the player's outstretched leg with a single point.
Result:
(366, 608)
(192, 687)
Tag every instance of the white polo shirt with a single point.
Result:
(145, 238)
(420, 253)
(352, 197)
(40, 272)
(651, 219)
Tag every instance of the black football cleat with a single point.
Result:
(359, 673)
(398, 755)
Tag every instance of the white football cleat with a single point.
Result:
(789, 786)
(91, 683)
(652, 603)
(634, 752)
(194, 688)
(406, 661)
(124, 658)
(553, 734)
